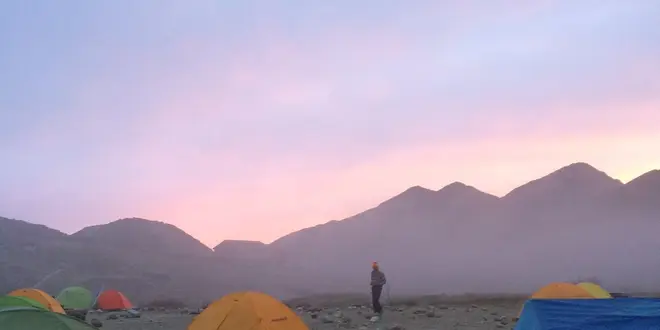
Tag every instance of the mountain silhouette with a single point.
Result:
(144, 236)
(573, 223)
(571, 185)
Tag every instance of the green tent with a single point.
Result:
(75, 297)
(22, 318)
(16, 301)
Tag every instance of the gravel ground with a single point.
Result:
(420, 317)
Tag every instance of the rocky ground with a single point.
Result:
(417, 318)
(409, 315)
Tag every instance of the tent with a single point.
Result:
(247, 310)
(595, 290)
(560, 290)
(23, 318)
(14, 301)
(113, 300)
(75, 297)
(41, 297)
(587, 314)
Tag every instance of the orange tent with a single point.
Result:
(113, 300)
(41, 297)
(247, 310)
(560, 290)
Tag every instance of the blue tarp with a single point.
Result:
(586, 314)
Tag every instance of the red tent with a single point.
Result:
(113, 300)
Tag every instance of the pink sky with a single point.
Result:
(249, 122)
(303, 195)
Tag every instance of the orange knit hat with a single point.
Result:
(374, 265)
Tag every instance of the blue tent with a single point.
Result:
(587, 314)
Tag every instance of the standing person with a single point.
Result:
(378, 280)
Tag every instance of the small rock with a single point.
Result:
(131, 313)
(430, 314)
(499, 325)
(363, 328)
(314, 315)
(112, 317)
(95, 323)
(419, 311)
(327, 319)
(397, 327)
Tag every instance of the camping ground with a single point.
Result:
(352, 312)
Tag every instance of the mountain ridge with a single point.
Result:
(655, 174)
(459, 235)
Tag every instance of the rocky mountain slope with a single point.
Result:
(575, 222)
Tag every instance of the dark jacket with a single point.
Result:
(377, 278)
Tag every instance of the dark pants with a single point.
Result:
(376, 290)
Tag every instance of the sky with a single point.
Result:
(252, 119)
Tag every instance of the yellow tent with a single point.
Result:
(41, 297)
(596, 290)
(560, 290)
(247, 311)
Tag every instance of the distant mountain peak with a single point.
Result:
(416, 190)
(455, 185)
(458, 187)
(577, 179)
(582, 171)
(136, 220)
(14, 227)
(578, 168)
(649, 181)
(459, 191)
(409, 195)
(143, 234)
(652, 175)
(241, 249)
